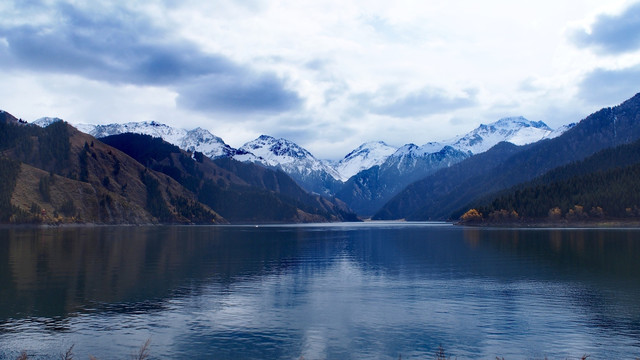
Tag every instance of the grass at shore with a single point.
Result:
(142, 354)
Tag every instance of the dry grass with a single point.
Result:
(143, 353)
(68, 355)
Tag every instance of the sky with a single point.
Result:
(326, 74)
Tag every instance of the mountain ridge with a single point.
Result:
(446, 191)
(328, 177)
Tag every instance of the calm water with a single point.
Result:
(356, 291)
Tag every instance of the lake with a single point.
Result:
(331, 291)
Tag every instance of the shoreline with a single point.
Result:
(605, 224)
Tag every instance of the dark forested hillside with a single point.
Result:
(605, 184)
(437, 196)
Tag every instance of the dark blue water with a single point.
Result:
(354, 291)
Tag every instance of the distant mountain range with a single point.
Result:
(365, 178)
(293, 159)
(433, 181)
(449, 191)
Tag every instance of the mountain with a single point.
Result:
(57, 174)
(438, 195)
(197, 139)
(604, 185)
(46, 121)
(516, 130)
(352, 179)
(312, 174)
(369, 190)
(240, 192)
(363, 157)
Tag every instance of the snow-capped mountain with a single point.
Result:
(205, 142)
(516, 130)
(372, 187)
(369, 174)
(369, 189)
(46, 121)
(364, 157)
(197, 139)
(312, 174)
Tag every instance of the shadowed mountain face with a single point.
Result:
(444, 192)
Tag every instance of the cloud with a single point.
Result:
(610, 86)
(238, 93)
(118, 46)
(612, 34)
(426, 101)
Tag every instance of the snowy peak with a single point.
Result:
(276, 151)
(46, 121)
(516, 130)
(286, 155)
(205, 142)
(197, 139)
(364, 157)
(517, 122)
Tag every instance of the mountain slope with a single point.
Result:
(607, 179)
(437, 196)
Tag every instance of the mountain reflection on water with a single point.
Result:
(331, 291)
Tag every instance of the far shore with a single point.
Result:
(605, 224)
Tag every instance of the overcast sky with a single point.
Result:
(328, 75)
